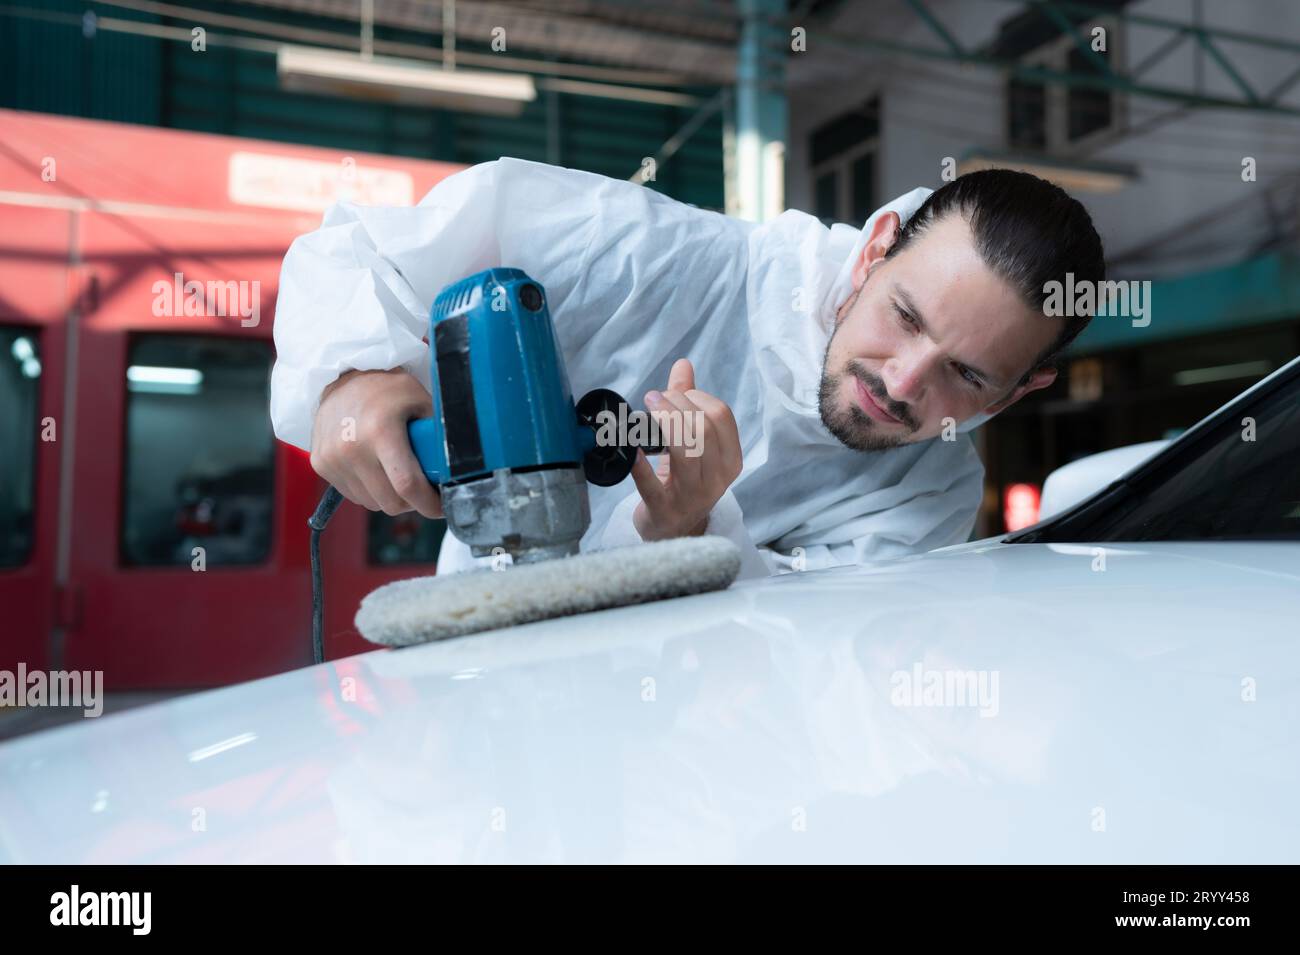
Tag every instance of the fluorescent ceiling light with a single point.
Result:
(158, 375)
(392, 80)
(1077, 177)
(155, 379)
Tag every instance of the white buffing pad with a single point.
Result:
(433, 608)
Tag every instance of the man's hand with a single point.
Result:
(677, 497)
(359, 442)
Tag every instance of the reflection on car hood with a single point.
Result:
(1137, 704)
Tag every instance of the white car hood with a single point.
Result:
(1144, 712)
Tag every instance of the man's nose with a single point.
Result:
(906, 375)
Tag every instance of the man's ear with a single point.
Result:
(879, 240)
(1039, 379)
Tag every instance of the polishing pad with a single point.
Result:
(433, 608)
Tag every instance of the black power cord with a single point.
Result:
(329, 503)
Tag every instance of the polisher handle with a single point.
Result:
(426, 441)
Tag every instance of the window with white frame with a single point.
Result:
(844, 155)
(1056, 118)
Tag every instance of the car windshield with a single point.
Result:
(1236, 478)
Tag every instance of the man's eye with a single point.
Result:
(969, 376)
(908, 320)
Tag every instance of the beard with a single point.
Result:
(852, 426)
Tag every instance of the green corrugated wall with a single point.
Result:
(47, 64)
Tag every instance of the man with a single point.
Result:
(837, 369)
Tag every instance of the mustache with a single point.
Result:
(876, 386)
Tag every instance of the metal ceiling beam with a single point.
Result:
(1111, 80)
(1225, 64)
(583, 79)
(1161, 52)
(680, 138)
(1067, 27)
(1054, 11)
(1091, 11)
(587, 37)
(1277, 92)
(935, 26)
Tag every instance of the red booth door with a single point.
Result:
(189, 562)
(37, 290)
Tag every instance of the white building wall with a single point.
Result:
(1188, 161)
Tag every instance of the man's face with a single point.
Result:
(931, 333)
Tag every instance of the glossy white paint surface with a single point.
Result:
(1070, 484)
(761, 723)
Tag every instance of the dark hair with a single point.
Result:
(1027, 230)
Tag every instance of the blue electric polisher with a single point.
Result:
(511, 455)
(506, 446)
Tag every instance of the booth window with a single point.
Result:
(20, 378)
(405, 539)
(198, 467)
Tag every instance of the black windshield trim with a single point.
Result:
(1071, 525)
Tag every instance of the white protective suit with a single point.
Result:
(636, 280)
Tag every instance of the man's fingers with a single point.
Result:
(372, 475)
(711, 405)
(402, 469)
(340, 478)
(355, 492)
(647, 483)
(682, 376)
(674, 413)
(721, 428)
(370, 461)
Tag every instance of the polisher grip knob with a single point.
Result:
(607, 463)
